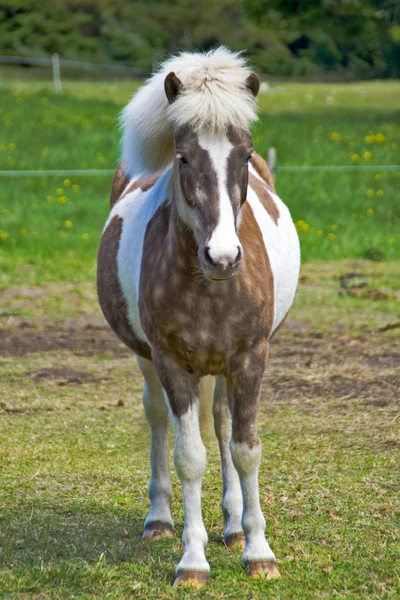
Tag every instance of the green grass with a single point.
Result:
(339, 215)
(74, 453)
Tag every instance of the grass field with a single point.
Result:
(339, 215)
(73, 438)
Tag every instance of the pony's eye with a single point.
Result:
(249, 157)
(181, 159)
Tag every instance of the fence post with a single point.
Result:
(55, 59)
(271, 161)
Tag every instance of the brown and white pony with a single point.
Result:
(198, 266)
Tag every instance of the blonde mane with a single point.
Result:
(213, 96)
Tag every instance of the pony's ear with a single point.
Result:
(172, 86)
(253, 84)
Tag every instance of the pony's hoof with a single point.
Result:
(196, 579)
(262, 568)
(157, 530)
(235, 540)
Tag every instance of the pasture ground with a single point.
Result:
(74, 447)
(73, 439)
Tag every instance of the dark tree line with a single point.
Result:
(352, 38)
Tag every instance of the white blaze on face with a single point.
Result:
(224, 244)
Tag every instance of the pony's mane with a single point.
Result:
(213, 97)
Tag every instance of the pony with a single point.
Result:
(198, 265)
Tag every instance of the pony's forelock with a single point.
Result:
(213, 97)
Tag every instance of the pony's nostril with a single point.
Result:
(238, 257)
(208, 257)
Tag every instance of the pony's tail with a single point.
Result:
(207, 385)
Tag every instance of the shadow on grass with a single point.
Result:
(37, 536)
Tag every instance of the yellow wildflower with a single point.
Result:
(377, 177)
(6, 212)
(76, 187)
(23, 232)
(335, 136)
(380, 138)
(331, 236)
(391, 241)
(67, 182)
(379, 193)
(370, 193)
(355, 157)
(370, 212)
(320, 233)
(85, 236)
(12, 146)
(367, 155)
(302, 226)
(60, 192)
(68, 224)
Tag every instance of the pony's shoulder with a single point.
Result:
(122, 184)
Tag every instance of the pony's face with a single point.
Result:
(212, 175)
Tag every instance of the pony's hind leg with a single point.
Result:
(232, 503)
(159, 522)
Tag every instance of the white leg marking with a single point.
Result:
(160, 489)
(232, 503)
(190, 464)
(247, 462)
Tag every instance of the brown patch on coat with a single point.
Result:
(260, 188)
(198, 326)
(119, 183)
(109, 291)
(143, 183)
(262, 169)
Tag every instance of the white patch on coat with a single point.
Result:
(136, 209)
(224, 244)
(283, 249)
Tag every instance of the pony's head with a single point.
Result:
(211, 176)
(196, 111)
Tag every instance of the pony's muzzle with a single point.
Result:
(223, 268)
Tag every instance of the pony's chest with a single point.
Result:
(202, 327)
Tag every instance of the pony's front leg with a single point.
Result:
(243, 391)
(182, 394)
(232, 504)
(159, 522)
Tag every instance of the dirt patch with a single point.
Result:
(302, 367)
(79, 340)
(62, 376)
